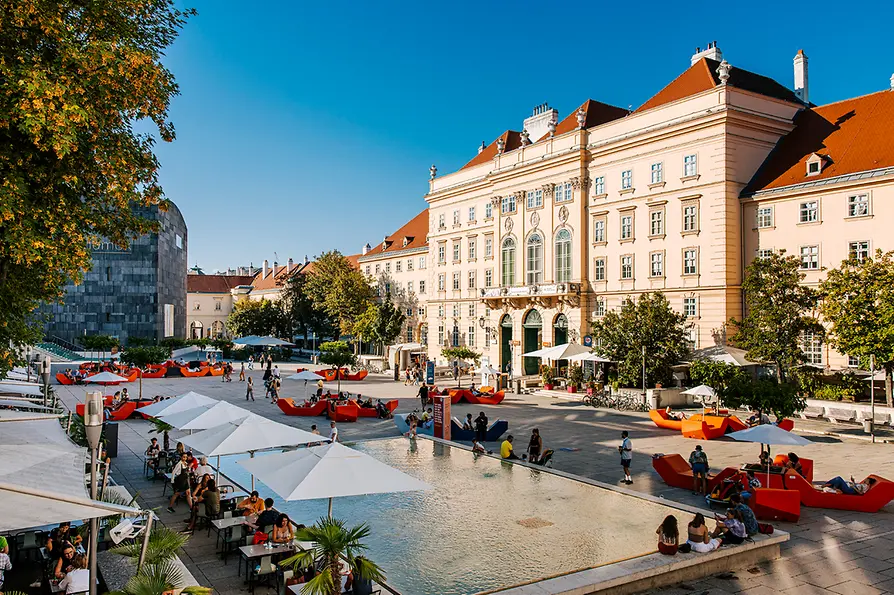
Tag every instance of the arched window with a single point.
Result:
(508, 255)
(563, 256)
(217, 329)
(535, 259)
(195, 330)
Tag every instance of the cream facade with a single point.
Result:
(210, 299)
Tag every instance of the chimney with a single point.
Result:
(266, 265)
(892, 81)
(366, 248)
(712, 51)
(537, 125)
(482, 147)
(291, 264)
(801, 76)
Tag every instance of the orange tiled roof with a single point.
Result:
(215, 283)
(278, 275)
(416, 230)
(511, 140)
(597, 113)
(702, 76)
(853, 136)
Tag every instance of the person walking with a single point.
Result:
(242, 373)
(251, 362)
(423, 395)
(698, 460)
(333, 433)
(250, 390)
(626, 452)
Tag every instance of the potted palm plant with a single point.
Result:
(334, 543)
(575, 377)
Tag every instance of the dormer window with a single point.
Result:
(815, 164)
(406, 241)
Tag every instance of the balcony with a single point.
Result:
(544, 295)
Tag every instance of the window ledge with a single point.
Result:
(442, 227)
(600, 196)
(808, 223)
(489, 218)
(657, 185)
(691, 178)
(563, 202)
(472, 260)
(657, 277)
(627, 241)
(603, 243)
(472, 222)
(457, 225)
(659, 236)
(760, 228)
(858, 217)
(627, 191)
(689, 274)
(691, 232)
(626, 279)
(534, 208)
(457, 261)
(488, 258)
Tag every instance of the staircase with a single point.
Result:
(57, 353)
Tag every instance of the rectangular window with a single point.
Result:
(657, 173)
(535, 199)
(378, 269)
(692, 338)
(473, 244)
(600, 307)
(508, 204)
(764, 252)
(472, 310)
(456, 249)
(420, 312)
(442, 253)
(398, 266)
(812, 347)
(690, 218)
(440, 334)
(689, 306)
(690, 166)
(488, 210)
(470, 337)
(442, 221)
(409, 264)
(626, 179)
(178, 241)
(853, 362)
(809, 212)
(409, 334)
(858, 205)
(456, 217)
(456, 310)
(599, 185)
(488, 247)
(387, 267)
(456, 281)
(421, 286)
(858, 251)
(563, 193)
(387, 288)
(169, 320)
(657, 264)
(442, 282)
(764, 217)
(421, 262)
(471, 213)
(489, 278)
(627, 267)
(690, 261)
(626, 227)
(368, 270)
(409, 287)
(810, 257)
(217, 305)
(599, 230)
(455, 335)
(473, 279)
(599, 270)
(656, 223)
(441, 311)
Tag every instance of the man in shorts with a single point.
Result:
(698, 460)
(626, 451)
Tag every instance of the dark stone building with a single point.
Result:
(137, 292)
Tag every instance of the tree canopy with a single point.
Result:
(648, 322)
(338, 355)
(381, 323)
(858, 304)
(257, 317)
(300, 312)
(778, 312)
(337, 288)
(75, 77)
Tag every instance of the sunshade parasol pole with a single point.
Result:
(218, 470)
(330, 508)
(251, 455)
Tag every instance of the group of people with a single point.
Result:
(737, 525)
(414, 375)
(68, 559)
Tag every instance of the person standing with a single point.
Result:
(626, 451)
(333, 433)
(535, 445)
(251, 362)
(250, 390)
(423, 395)
(698, 460)
(481, 427)
(242, 373)
(276, 372)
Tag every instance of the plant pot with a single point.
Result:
(547, 386)
(572, 389)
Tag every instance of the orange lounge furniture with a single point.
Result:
(806, 466)
(879, 495)
(355, 377)
(660, 418)
(487, 390)
(106, 402)
(288, 407)
(328, 375)
(459, 394)
(708, 427)
(343, 412)
(786, 424)
(126, 410)
(676, 472)
(202, 371)
(734, 424)
(775, 505)
(156, 372)
(371, 411)
(63, 379)
(496, 399)
(216, 370)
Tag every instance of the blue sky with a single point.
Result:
(307, 126)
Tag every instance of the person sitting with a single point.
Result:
(65, 563)
(851, 488)
(58, 538)
(506, 449)
(77, 580)
(678, 415)
(269, 517)
(699, 539)
(745, 513)
(203, 468)
(207, 495)
(668, 534)
(5, 562)
(251, 505)
(751, 484)
(282, 530)
(730, 529)
(468, 423)
(764, 459)
(478, 448)
(368, 403)
(314, 399)
(794, 463)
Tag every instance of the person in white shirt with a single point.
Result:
(333, 432)
(204, 468)
(78, 580)
(276, 371)
(626, 451)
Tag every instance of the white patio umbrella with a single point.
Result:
(306, 376)
(186, 401)
(588, 357)
(205, 416)
(105, 378)
(329, 471)
(702, 390)
(246, 340)
(249, 434)
(564, 351)
(769, 434)
(13, 388)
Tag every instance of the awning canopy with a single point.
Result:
(726, 354)
(558, 352)
(23, 508)
(8, 387)
(186, 401)
(588, 357)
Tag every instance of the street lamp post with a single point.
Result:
(93, 419)
(45, 376)
(872, 397)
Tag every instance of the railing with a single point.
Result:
(62, 342)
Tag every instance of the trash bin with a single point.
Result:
(867, 426)
(110, 433)
(655, 399)
(503, 381)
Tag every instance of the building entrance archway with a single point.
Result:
(505, 342)
(533, 339)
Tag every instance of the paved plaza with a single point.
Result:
(829, 551)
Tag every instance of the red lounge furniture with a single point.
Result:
(488, 390)
(708, 427)
(288, 407)
(496, 399)
(356, 377)
(216, 370)
(126, 410)
(659, 417)
(371, 411)
(459, 394)
(328, 375)
(676, 472)
(106, 402)
(188, 374)
(775, 505)
(873, 500)
(343, 412)
(155, 372)
(786, 424)
(806, 466)
(63, 379)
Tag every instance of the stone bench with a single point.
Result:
(836, 415)
(811, 411)
(881, 418)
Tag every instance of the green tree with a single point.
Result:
(333, 541)
(858, 303)
(338, 289)
(720, 376)
(159, 573)
(75, 77)
(460, 354)
(300, 312)
(777, 312)
(648, 323)
(142, 357)
(338, 355)
(765, 395)
(256, 317)
(381, 323)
